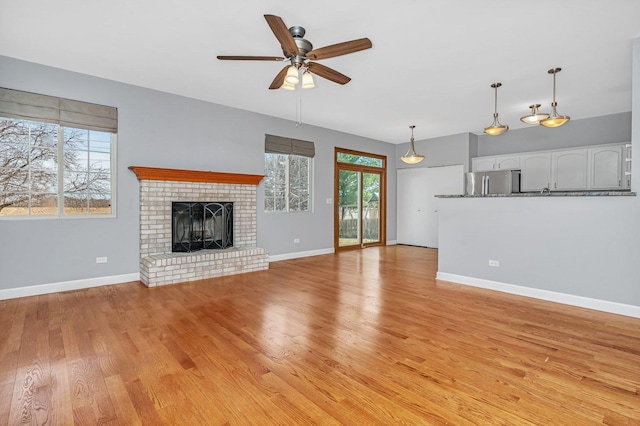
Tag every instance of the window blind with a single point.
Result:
(50, 109)
(281, 145)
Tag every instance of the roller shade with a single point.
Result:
(65, 112)
(281, 145)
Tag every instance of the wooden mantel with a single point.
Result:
(155, 173)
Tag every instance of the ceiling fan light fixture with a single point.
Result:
(411, 157)
(496, 129)
(535, 117)
(288, 86)
(307, 80)
(292, 75)
(555, 119)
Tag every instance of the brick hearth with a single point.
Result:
(159, 188)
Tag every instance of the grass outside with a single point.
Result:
(52, 211)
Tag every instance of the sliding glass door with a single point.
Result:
(360, 191)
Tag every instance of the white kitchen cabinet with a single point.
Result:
(626, 166)
(483, 164)
(569, 170)
(605, 167)
(596, 168)
(536, 171)
(508, 162)
(498, 162)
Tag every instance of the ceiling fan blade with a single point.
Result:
(283, 35)
(277, 82)
(339, 49)
(328, 73)
(251, 58)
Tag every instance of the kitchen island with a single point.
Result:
(549, 194)
(577, 248)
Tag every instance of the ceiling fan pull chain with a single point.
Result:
(299, 108)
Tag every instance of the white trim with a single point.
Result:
(392, 242)
(552, 296)
(35, 290)
(299, 254)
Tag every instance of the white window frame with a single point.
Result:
(287, 184)
(65, 114)
(60, 181)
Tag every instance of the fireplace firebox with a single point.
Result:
(201, 225)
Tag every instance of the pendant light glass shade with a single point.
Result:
(555, 119)
(535, 117)
(307, 80)
(411, 157)
(292, 75)
(496, 129)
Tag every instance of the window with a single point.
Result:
(353, 157)
(288, 168)
(56, 156)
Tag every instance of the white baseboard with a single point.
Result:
(299, 254)
(392, 242)
(36, 290)
(567, 299)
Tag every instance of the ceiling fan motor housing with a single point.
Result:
(303, 44)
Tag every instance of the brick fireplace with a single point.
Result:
(160, 187)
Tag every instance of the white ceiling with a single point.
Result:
(432, 61)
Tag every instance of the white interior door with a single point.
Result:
(417, 204)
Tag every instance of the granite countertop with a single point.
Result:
(548, 194)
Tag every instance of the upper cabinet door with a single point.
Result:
(500, 162)
(605, 167)
(511, 162)
(536, 171)
(626, 166)
(483, 164)
(569, 170)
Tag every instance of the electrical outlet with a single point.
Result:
(329, 200)
(101, 259)
(296, 240)
(494, 263)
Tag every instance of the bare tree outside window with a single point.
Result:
(37, 174)
(287, 183)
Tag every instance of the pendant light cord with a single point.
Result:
(554, 87)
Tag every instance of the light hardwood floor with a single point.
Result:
(362, 337)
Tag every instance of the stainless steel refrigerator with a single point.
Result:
(494, 182)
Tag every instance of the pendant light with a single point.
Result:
(411, 157)
(496, 129)
(554, 120)
(535, 117)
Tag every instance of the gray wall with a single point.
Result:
(588, 131)
(441, 151)
(582, 246)
(163, 130)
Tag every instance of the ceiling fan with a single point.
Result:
(300, 52)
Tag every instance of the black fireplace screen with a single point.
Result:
(198, 226)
